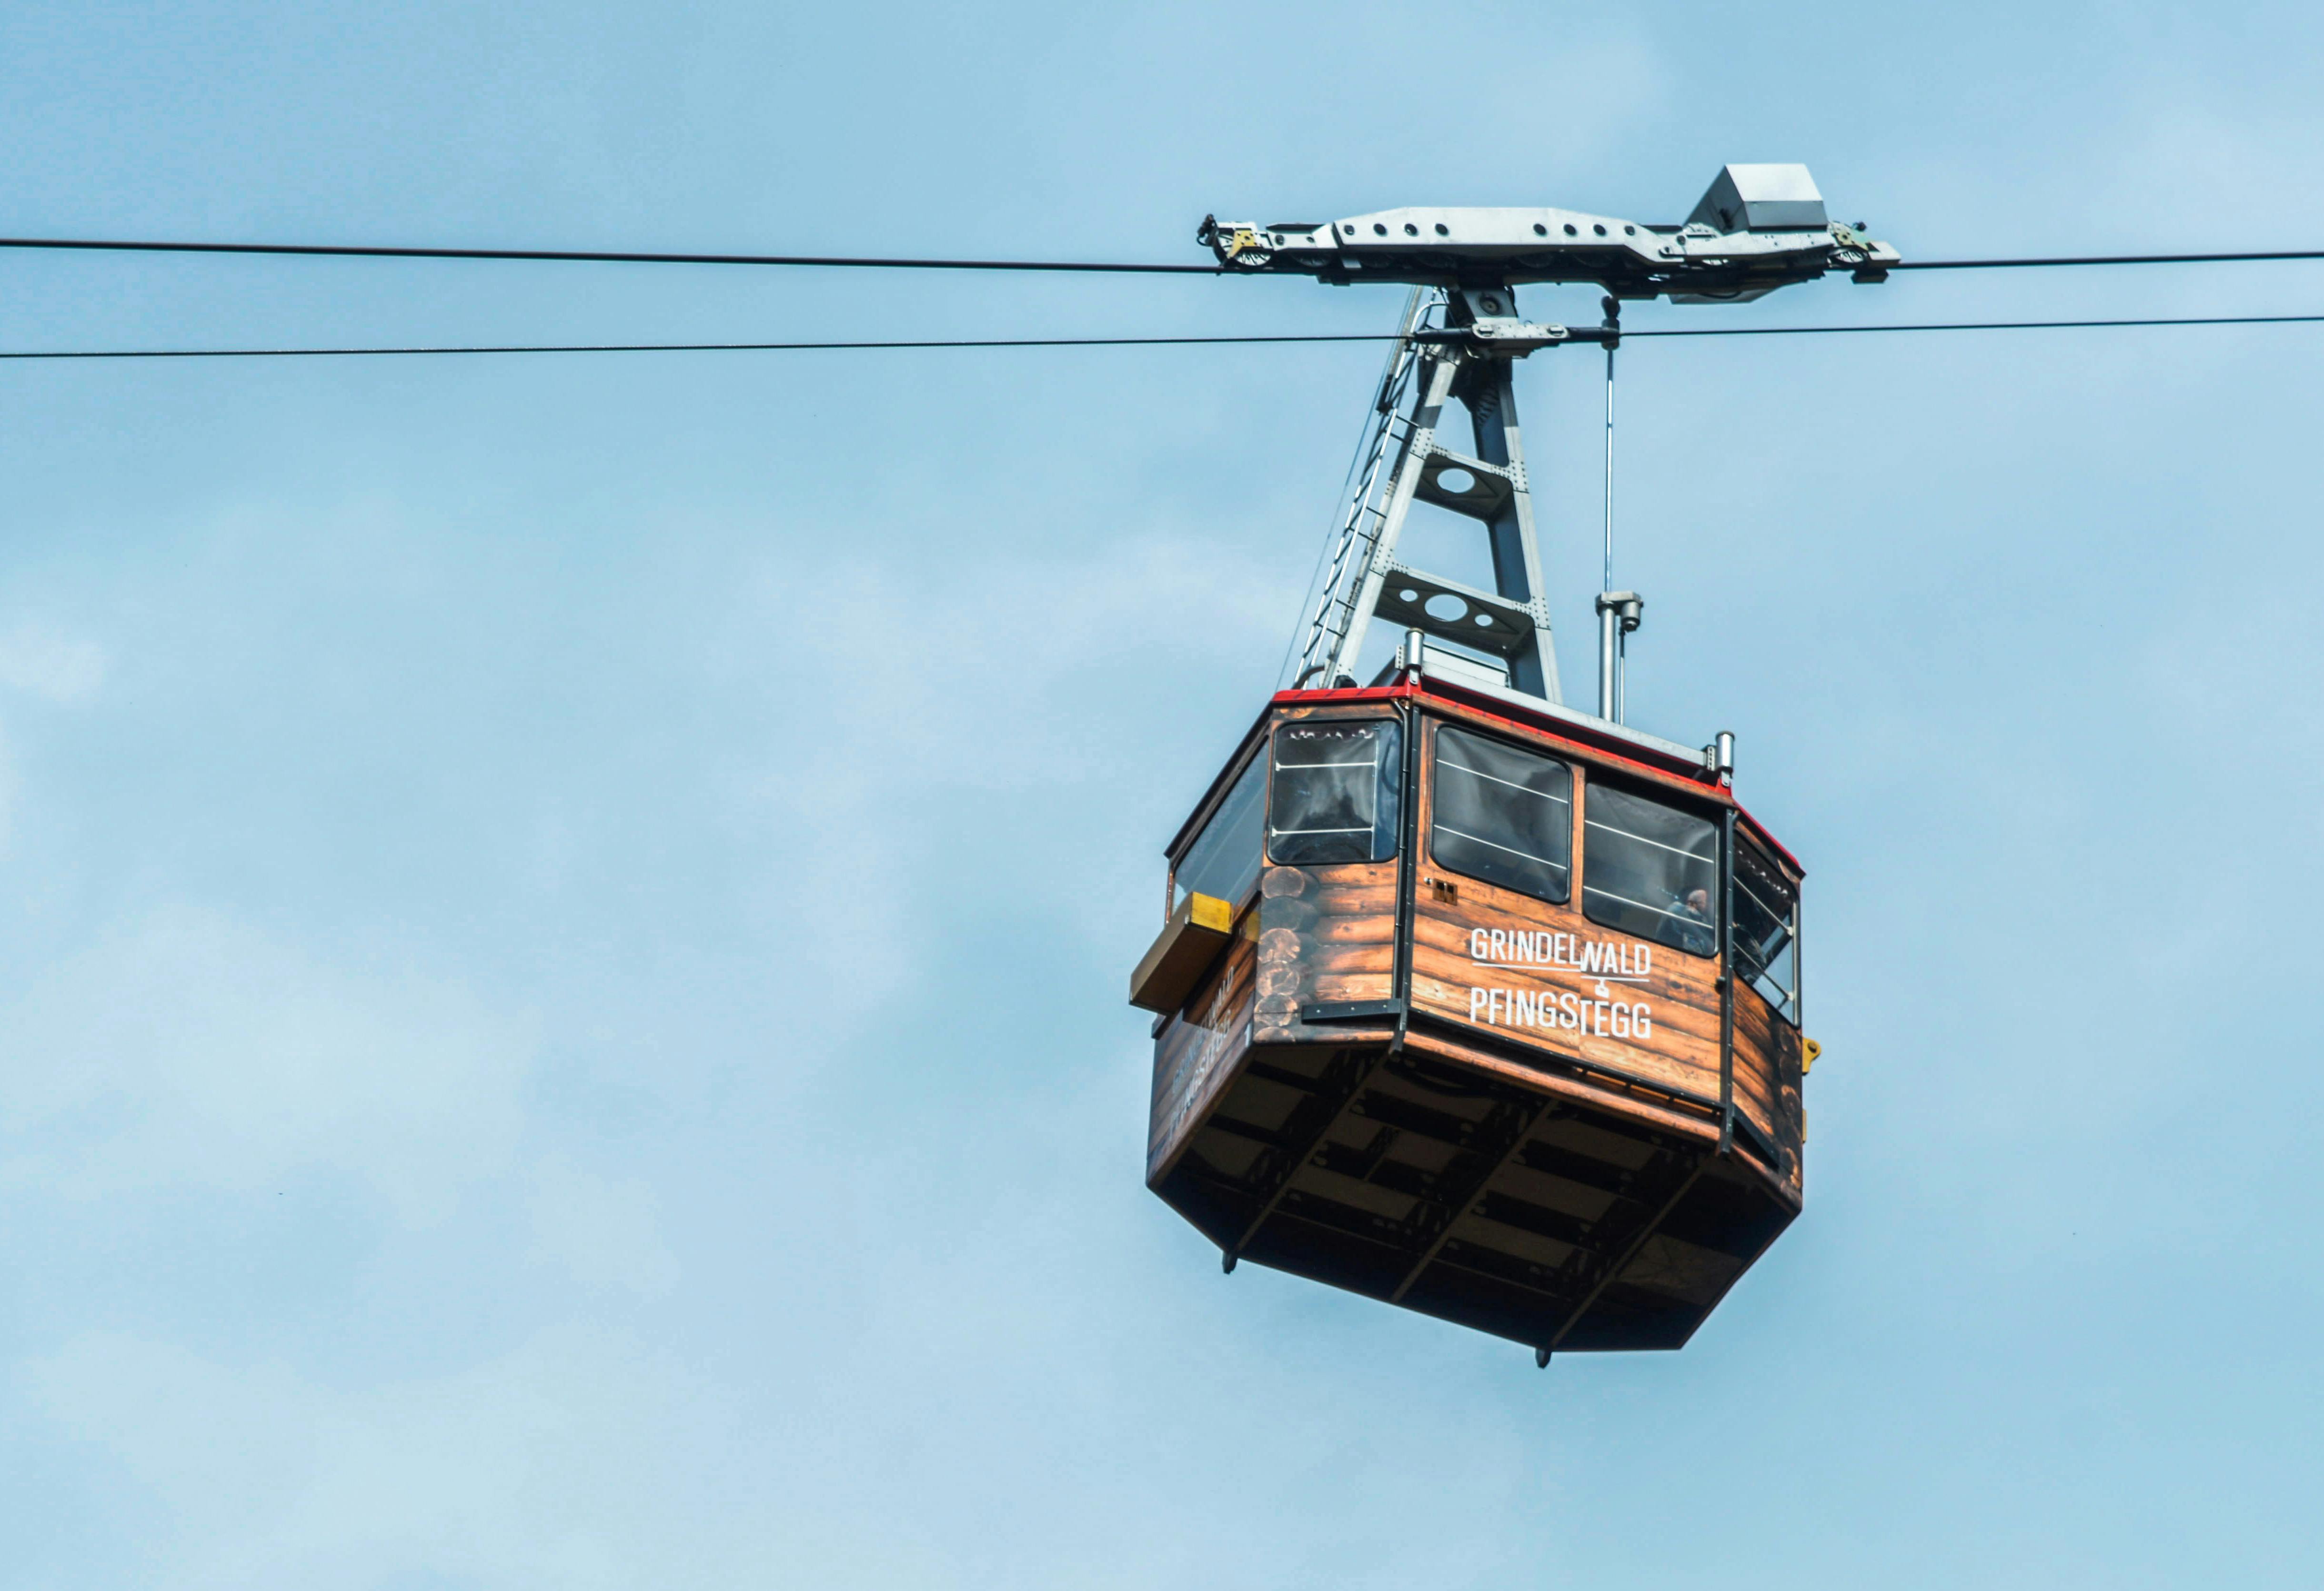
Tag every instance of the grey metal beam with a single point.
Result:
(1757, 228)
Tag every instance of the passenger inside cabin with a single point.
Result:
(1694, 931)
(1650, 869)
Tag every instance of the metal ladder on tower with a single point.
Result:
(1360, 525)
(1465, 361)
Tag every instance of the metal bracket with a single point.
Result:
(1756, 228)
(1350, 1011)
(1510, 339)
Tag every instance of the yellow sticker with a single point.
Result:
(1210, 913)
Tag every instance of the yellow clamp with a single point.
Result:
(1809, 1050)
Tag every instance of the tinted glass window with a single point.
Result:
(1766, 929)
(1650, 870)
(1224, 861)
(1336, 792)
(1502, 815)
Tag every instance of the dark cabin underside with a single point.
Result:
(1528, 1215)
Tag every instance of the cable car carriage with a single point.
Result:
(1466, 1000)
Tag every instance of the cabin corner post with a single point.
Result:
(1726, 980)
(1412, 726)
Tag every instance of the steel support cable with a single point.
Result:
(856, 262)
(2036, 261)
(1105, 342)
(995, 342)
(1981, 326)
(364, 251)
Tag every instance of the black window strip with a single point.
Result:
(1659, 845)
(1512, 850)
(1512, 783)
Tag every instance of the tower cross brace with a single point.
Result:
(1468, 362)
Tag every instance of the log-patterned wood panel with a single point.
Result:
(1327, 937)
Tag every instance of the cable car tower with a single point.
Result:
(1465, 999)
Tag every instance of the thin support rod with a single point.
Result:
(1606, 580)
(1609, 632)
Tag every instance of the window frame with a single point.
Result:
(1254, 754)
(1669, 800)
(1388, 779)
(1787, 1010)
(1573, 783)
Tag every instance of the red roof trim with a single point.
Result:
(1772, 843)
(1372, 693)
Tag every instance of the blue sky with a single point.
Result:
(563, 921)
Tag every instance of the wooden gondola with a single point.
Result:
(1484, 1009)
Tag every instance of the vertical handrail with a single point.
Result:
(1407, 863)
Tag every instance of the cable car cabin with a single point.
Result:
(1485, 1009)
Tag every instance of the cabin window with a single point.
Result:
(1502, 815)
(1224, 861)
(1336, 789)
(1767, 929)
(1650, 870)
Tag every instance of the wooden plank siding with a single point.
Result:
(1767, 1051)
(1327, 937)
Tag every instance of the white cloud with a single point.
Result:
(603, 1230)
(524, 1471)
(189, 1048)
(51, 664)
(2243, 158)
(1019, 679)
(7, 788)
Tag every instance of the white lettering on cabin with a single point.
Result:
(1613, 961)
(1602, 961)
(1564, 1011)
